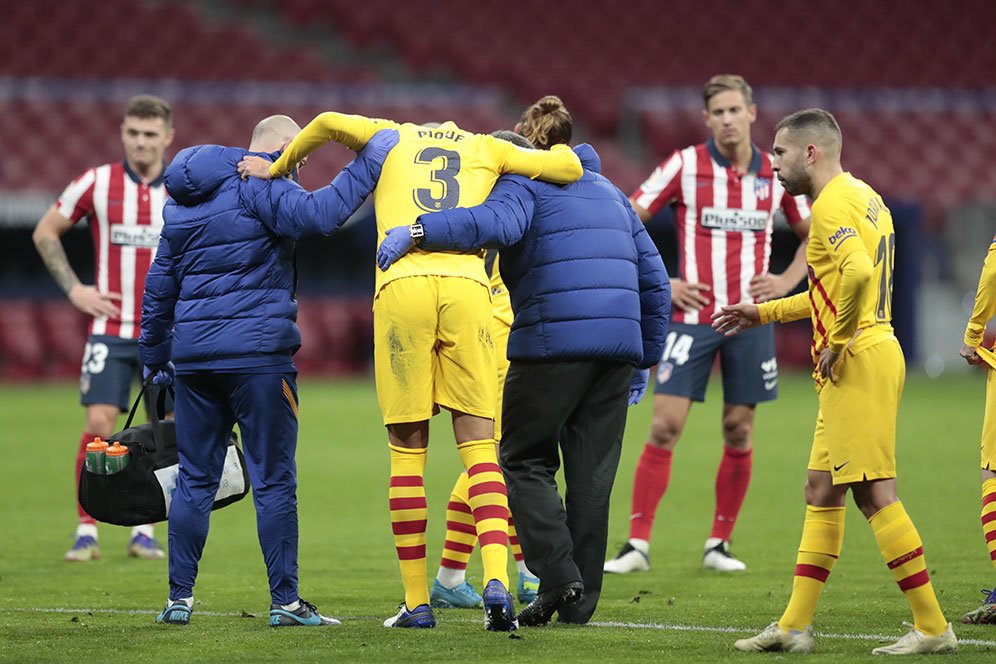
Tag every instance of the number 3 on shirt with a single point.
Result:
(886, 252)
(444, 176)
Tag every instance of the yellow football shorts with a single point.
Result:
(855, 437)
(433, 347)
(989, 424)
(499, 333)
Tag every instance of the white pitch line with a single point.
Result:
(664, 627)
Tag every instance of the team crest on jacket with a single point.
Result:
(762, 188)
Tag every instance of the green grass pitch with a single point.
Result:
(54, 611)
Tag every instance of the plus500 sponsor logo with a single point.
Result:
(842, 234)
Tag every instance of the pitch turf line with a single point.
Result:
(666, 627)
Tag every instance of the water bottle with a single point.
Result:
(95, 456)
(117, 458)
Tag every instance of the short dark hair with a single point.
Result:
(815, 121)
(148, 106)
(547, 123)
(513, 138)
(722, 83)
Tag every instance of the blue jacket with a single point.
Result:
(220, 293)
(585, 279)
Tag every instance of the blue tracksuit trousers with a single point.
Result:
(208, 405)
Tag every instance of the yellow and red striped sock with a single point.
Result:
(489, 503)
(989, 516)
(822, 537)
(902, 550)
(461, 533)
(513, 540)
(408, 517)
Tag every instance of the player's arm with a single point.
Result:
(47, 237)
(662, 187)
(352, 131)
(158, 309)
(295, 213)
(837, 218)
(985, 301)
(655, 292)
(559, 164)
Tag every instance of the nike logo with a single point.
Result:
(836, 469)
(770, 384)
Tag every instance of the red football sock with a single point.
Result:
(80, 457)
(653, 473)
(732, 480)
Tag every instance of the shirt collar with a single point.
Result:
(137, 180)
(755, 156)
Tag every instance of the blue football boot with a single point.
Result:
(305, 615)
(421, 617)
(499, 616)
(462, 597)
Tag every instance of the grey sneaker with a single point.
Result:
(915, 642)
(773, 639)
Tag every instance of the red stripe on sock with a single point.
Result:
(905, 558)
(458, 547)
(408, 527)
(458, 507)
(490, 512)
(407, 480)
(988, 498)
(986, 518)
(458, 527)
(493, 537)
(813, 572)
(914, 581)
(410, 552)
(991, 535)
(452, 564)
(483, 468)
(514, 541)
(518, 557)
(414, 503)
(482, 488)
(992, 554)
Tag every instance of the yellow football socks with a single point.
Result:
(822, 537)
(408, 517)
(989, 516)
(902, 551)
(488, 501)
(461, 533)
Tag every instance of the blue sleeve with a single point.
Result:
(655, 292)
(293, 212)
(158, 306)
(500, 221)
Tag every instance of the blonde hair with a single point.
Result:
(547, 123)
(722, 83)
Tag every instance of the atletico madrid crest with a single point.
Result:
(664, 370)
(762, 188)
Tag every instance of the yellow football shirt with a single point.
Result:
(985, 300)
(849, 223)
(431, 169)
(501, 302)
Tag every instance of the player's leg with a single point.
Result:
(591, 442)
(104, 383)
(986, 613)
(819, 548)
(203, 423)
(405, 321)
(466, 385)
(682, 377)
(450, 589)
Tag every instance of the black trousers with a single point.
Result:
(580, 407)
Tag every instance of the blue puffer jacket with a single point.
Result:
(220, 294)
(585, 279)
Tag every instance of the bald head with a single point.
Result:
(272, 133)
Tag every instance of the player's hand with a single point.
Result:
(380, 145)
(94, 303)
(767, 286)
(825, 366)
(689, 296)
(638, 386)
(735, 318)
(971, 355)
(396, 244)
(161, 376)
(252, 166)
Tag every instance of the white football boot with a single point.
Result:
(915, 642)
(717, 557)
(774, 639)
(629, 559)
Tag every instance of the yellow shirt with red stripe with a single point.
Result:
(985, 300)
(501, 303)
(851, 232)
(431, 169)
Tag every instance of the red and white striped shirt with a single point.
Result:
(723, 220)
(125, 218)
